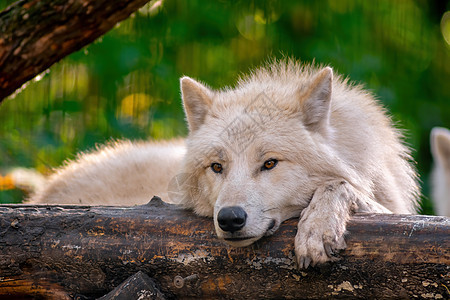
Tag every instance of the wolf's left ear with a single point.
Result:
(316, 102)
(197, 100)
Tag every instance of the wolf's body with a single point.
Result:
(440, 178)
(289, 140)
(121, 173)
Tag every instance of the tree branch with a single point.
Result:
(36, 34)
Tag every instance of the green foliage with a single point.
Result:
(125, 85)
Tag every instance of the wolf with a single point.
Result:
(440, 176)
(289, 140)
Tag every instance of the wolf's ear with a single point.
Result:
(440, 146)
(196, 101)
(316, 102)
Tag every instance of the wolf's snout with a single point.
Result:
(231, 218)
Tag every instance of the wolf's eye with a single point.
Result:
(269, 164)
(216, 167)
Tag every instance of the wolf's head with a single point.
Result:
(256, 153)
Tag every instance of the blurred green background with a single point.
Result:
(125, 85)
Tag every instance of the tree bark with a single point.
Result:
(56, 251)
(36, 34)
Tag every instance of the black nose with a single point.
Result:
(231, 218)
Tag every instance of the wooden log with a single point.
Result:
(89, 251)
(36, 34)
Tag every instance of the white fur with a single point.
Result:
(337, 153)
(440, 178)
(27, 179)
(122, 173)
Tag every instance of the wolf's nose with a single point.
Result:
(231, 218)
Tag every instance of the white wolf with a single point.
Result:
(440, 178)
(289, 140)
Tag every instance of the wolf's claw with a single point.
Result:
(329, 250)
(304, 262)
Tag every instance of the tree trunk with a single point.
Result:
(36, 34)
(68, 251)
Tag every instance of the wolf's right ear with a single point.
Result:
(197, 100)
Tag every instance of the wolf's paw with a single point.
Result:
(313, 245)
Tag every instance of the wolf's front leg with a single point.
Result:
(322, 224)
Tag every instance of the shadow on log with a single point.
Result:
(139, 286)
(58, 252)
